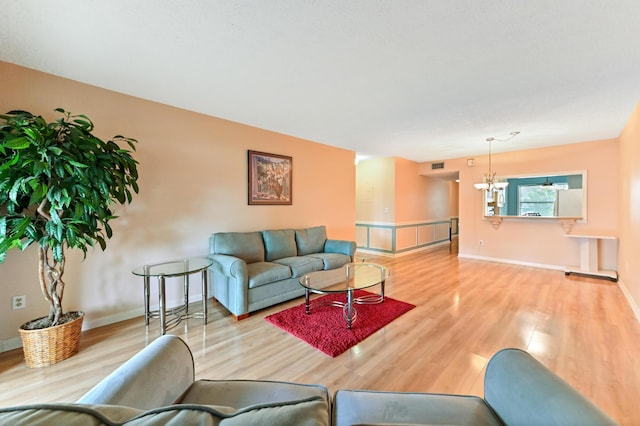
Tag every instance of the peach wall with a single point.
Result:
(376, 190)
(417, 197)
(193, 181)
(391, 190)
(454, 195)
(629, 217)
(410, 192)
(539, 242)
(438, 200)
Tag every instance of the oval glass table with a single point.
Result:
(176, 268)
(346, 280)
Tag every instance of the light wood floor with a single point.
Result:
(581, 328)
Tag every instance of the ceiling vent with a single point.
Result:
(437, 166)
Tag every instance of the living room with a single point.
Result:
(177, 205)
(193, 182)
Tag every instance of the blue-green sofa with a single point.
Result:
(158, 387)
(254, 270)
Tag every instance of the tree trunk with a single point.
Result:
(51, 283)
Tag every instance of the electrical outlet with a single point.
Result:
(18, 302)
(481, 242)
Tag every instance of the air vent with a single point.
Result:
(436, 166)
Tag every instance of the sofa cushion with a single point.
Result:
(331, 260)
(66, 414)
(375, 408)
(313, 410)
(309, 411)
(243, 393)
(248, 246)
(261, 273)
(301, 265)
(279, 243)
(311, 240)
(238, 394)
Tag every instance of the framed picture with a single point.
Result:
(270, 179)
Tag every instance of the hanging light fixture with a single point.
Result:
(490, 184)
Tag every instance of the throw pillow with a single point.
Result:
(311, 240)
(245, 245)
(279, 244)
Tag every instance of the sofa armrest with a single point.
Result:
(341, 246)
(229, 266)
(523, 391)
(158, 375)
(230, 283)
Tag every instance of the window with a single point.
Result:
(538, 200)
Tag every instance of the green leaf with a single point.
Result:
(102, 242)
(75, 163)
(39, 193)
(34, 134)
(18, 143)
(59, 168)
(12, 162)
(54, 216)
(57, 252)
(13, 193)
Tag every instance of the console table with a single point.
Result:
(589, 256)
(177, 268)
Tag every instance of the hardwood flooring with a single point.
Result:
(581, 328)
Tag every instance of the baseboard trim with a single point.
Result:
(87, 324)
(90, 323)
(10, 344)
(401, 253)
(512, 262)
(632, 303)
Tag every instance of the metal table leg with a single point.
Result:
(205, 296)
(186, 288)
(163, 307)
(147, 293)
(349, 308)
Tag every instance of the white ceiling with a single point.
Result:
(420, 79)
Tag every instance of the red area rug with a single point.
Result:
(326, 329)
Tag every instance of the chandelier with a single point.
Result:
(489, 184)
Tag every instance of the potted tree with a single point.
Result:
(58, 184)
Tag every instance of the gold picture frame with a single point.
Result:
(270, 179)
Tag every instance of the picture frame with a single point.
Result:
(270, 179)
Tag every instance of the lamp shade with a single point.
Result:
(501, 185)
(481, 185)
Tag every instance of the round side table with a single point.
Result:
(175, 268)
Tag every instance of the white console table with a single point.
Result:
(589, 256)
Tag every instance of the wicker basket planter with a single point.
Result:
(47, 346)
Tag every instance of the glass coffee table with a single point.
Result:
(351, 277)
(177, 268)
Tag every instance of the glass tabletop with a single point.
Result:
(352, 276)
(174, 268)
